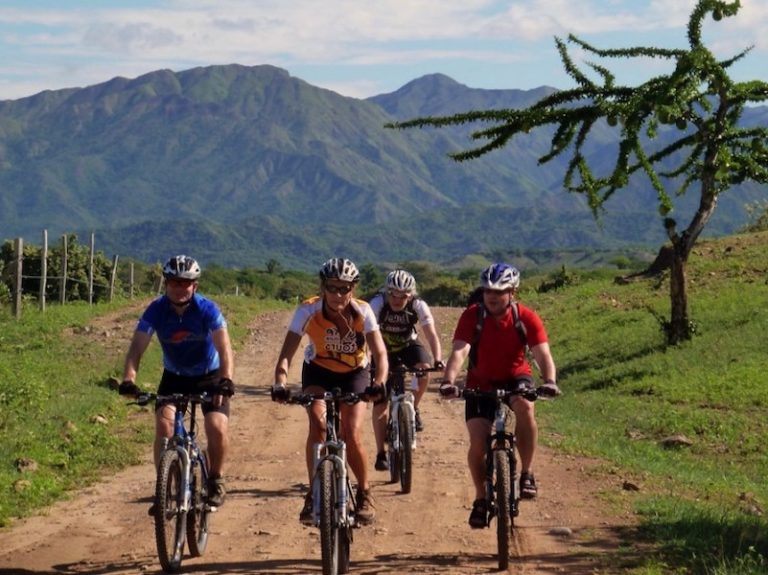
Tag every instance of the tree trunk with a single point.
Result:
(679, 325)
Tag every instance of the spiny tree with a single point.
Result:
(697, 99)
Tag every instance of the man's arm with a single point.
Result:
(543, 356)
(430, 334)
(223, 345)
(139, 344)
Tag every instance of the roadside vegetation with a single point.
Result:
(682, 427)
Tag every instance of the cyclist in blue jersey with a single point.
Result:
(197, 356)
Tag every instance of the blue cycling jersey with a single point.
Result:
(186, 339)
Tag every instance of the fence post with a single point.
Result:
(131, 282)
(90, 271)
(43, 269)
(64, 262)
(19, 249)
(112, 278)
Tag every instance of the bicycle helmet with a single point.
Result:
(339, 269)
(182, 267)
(500, 277)
(401, 280)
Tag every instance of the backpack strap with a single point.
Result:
(480, 320)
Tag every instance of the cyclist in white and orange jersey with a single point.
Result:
(343, 333)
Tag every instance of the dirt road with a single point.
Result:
(104, 529)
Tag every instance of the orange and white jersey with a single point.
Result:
(326, 346)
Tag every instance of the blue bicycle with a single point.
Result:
(181, 510)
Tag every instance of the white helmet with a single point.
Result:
(500, 277)
(401, 280)
(340, 269)
(182, 267)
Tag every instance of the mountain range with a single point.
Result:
(239, 165)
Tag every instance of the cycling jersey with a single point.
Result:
(327, 348)
(186, 339)
(398, 327)
(500, 351)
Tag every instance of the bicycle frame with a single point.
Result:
(185, 443)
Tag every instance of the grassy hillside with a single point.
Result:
(626, 393)
(699, 504)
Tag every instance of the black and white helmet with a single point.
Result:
(500, 277)
(339, 269)
(182, 267)
(401, 280)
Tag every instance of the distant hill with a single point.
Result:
(240, 165)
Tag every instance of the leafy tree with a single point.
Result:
(697, 98)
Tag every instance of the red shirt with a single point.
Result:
(500, 353)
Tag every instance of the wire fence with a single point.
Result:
(37, 273)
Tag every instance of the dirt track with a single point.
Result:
(104, 529)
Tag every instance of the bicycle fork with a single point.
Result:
(185, 488)
(338, 455)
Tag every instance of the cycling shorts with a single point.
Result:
(173, 383)
(410, 357)
(485, 407)
(355, 381)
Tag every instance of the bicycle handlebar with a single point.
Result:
(172, 398)
(531, 394)
(307, 398)
(417, 371)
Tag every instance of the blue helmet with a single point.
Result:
(500, 277)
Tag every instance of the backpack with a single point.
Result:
(481, 314)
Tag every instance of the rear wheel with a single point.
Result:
(169, 519)
(197, 517)
(405, 424)
(329, 529)
(503, 515)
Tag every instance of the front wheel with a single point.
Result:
(169, 517)
(405, 417)
(503, 512)
(198, 515)
(329, 528)
(393, 452)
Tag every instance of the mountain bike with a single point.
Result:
(181, 511)
(502, 487)
(333, 505)
(401, 425)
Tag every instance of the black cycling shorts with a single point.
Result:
(410, 356)
(485, 407)
(174, 383)
(312, 375)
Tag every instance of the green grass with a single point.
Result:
(625, 391)
(52, 387)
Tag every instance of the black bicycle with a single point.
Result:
(502, 486)
(181, 511)
(401, 425)
(333, 504)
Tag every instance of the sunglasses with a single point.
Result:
(397, 295)
(343, 290)
(180, 282)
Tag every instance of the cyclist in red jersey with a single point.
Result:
(499, 361)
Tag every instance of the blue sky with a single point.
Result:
(355, 47)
